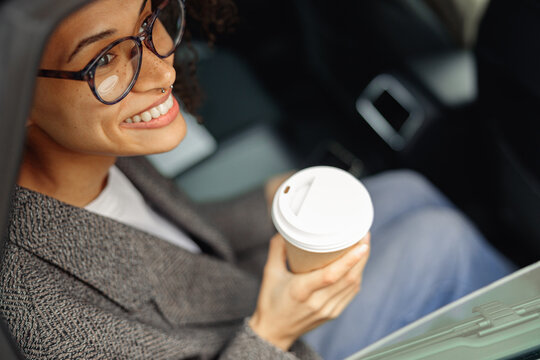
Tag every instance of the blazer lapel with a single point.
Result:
(129, 266)
(197, 289)
(177, 208)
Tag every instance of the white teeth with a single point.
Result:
(162, 108)
(154, 112)
(146, 116)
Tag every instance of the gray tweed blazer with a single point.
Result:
(76, 285)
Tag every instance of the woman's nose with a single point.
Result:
(156, 73)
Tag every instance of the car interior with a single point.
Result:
(446, 88)
(392, 86)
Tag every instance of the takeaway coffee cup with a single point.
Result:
(321, 211)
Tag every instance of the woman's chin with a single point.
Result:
(163, 148)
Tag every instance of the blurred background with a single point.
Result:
(445, 87)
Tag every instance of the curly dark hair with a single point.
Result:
(205, 19)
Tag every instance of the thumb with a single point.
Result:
(277, 257)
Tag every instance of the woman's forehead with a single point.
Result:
(99, 15)
(106, 11)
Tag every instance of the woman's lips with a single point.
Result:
(154, 123)
(156, 110)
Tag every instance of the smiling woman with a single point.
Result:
(75, 134)
(107, 259)
(124, 51)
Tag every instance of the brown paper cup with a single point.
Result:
(321, 212)
(302, 261)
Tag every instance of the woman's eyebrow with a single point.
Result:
(89, 40)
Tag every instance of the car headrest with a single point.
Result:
(24, 27)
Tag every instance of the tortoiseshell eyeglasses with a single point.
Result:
(113, 72)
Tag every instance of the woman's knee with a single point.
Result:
(406, 183)
(399, 192)
(416, 184)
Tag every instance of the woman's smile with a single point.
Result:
(157, 116)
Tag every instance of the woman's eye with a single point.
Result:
(105, 60)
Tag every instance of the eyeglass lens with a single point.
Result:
(116, 70)
(167, 29)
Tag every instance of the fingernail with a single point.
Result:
(360, 250)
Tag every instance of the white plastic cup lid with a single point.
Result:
(322, 209)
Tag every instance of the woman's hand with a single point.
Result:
(290, 305)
